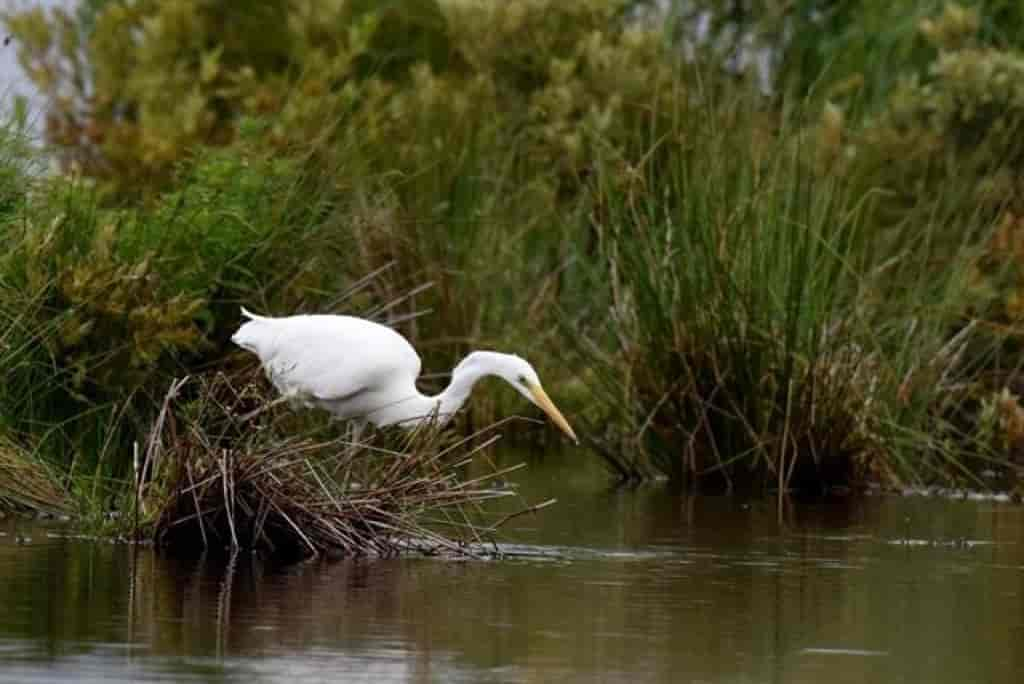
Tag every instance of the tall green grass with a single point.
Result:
(28, 481)
(750, 334)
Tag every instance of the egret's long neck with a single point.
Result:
(420, 407)
(458, 390)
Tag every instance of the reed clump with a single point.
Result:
(747, 327)
(226, 469)
(26, 483)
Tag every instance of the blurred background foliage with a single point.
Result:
(212, 153)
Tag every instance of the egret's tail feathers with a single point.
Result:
(251, 316)
(251, 335)
(248, 337)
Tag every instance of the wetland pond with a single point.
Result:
(634, 585)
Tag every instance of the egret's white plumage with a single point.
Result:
(364, 371)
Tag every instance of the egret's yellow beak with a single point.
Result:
(541, 398)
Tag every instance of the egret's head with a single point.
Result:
(518, 372)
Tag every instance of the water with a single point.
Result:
(629, 586)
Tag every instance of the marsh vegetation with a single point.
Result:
(806, 286)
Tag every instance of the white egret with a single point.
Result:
(363, 371)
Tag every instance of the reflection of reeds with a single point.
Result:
(26, 483)
(219, 474)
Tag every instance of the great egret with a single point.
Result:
(364, 371)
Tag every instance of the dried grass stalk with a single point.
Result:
(26, 483)
(221, 473)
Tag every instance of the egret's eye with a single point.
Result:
(522, 379)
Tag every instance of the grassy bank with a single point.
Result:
(802, 288)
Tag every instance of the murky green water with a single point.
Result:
(619, 587)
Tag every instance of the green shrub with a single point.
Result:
(963, 117)
(108, 304)
(132, 90)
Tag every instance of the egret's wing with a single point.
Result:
(336, 357)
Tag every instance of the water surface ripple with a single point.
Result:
(638, 585)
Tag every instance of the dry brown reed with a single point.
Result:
(227, 468)
(26, 483)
